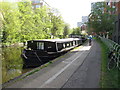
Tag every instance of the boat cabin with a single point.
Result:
(42, 51)
(53, 45)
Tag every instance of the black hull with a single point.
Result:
(36, 57)
(33, 60)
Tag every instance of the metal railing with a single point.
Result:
(113, 53)
(111, 44)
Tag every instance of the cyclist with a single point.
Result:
(90, 39)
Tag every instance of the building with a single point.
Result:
(93, 5)
(83, 27)
(79, 24)
(35, 3)
(84, 19)
(39, 3)
(116, 5)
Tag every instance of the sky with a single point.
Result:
(72, 10)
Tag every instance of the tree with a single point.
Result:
(101, 20)
(26, 20)
(76, 30)
(11, 23)
(22, 23)
(57, 23)
(1, 26)
(66, 31)
(42, 23)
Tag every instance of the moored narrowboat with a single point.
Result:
(39, 52)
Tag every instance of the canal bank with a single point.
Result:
(33, 70)
(12, 63)
(55, 65)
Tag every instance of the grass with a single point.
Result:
(109, 79)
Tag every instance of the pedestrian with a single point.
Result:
(90, 40)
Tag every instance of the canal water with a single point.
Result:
(12, 63)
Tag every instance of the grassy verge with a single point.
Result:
(109, 79)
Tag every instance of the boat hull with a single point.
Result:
(32, 60)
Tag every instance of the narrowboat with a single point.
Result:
(39, 52)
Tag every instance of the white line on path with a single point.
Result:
(58, 73)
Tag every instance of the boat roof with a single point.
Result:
(56, 40)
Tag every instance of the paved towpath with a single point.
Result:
(80, 68)
(88, 74)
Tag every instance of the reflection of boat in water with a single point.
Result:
(42, 51)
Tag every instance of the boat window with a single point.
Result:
(40, 45)
(70, 43)
(73, 42)
(64, 45)
(29, 45)
(67, 44)
(60, 46)
(76, 42)
(51, 47)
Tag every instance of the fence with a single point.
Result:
(111, 44)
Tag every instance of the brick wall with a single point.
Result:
(118, 8)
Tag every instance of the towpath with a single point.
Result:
(79, 68)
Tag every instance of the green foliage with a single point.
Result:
(22, 23)
(11, 63)
(26, 21)
(10, 22)
(76, 30)
(66, 31)
(57, 24)
(101, 20)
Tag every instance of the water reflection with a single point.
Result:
(12, 63)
